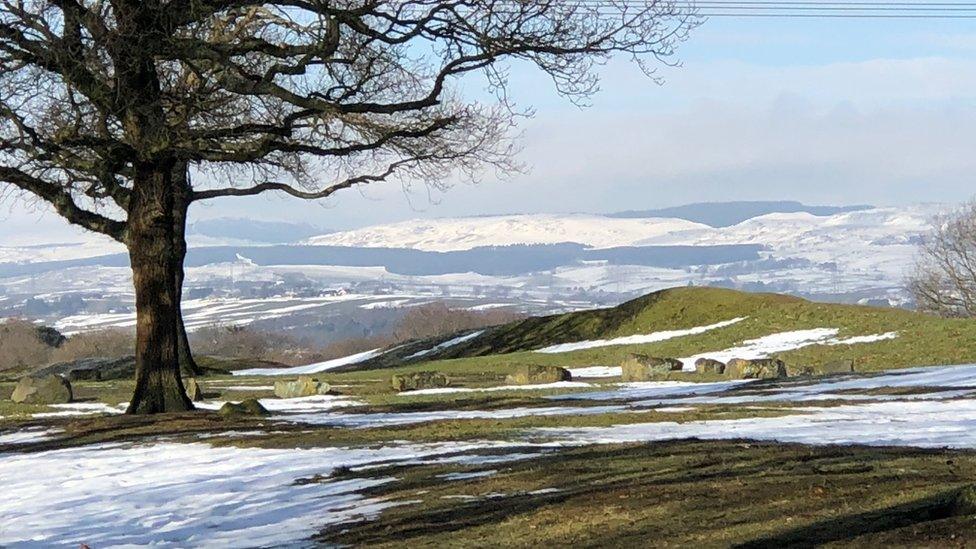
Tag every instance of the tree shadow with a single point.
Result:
(849, 527)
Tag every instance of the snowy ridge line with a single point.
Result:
(449, 343)
(312, 368)
(639, 339)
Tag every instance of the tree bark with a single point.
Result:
(181, 203)
(149, 237)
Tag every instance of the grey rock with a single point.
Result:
(638, 367)
(760, 368)
(193, 389)
(531, 374)
(302, 387)
(709, 366)
(49, 389)
(419, 380)
(245, 408)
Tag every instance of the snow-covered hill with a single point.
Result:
(798, 231)
(464, 233)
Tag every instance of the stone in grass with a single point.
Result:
(304, 386)
(533, 374)
(193, 390)
(709, 366)
(249, 407)
(638, 367)
(760, 368)
(50, 389)
(794, 370)
(845, 366)
(419, 380)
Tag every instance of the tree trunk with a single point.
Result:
(149, 238)
(181, 202)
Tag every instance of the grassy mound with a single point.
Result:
(922, 340)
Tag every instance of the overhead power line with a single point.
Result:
(805, 9)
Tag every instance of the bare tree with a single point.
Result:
(107, 106)
(944, 280)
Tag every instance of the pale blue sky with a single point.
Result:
(823, 111)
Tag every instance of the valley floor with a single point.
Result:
(858, 460)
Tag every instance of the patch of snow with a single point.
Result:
(312, 368)
(316, 403)
(767, 346)
(27, 436)
(386, 304)
(637, 339)
(596, 371)
(537, 387)
(543, 491)
(466, 476)
(82, 409)
(487, 306)
(639, 390)
(180, 495)
(919, 423)
(365, 421)
(864, 339)
(447, 344)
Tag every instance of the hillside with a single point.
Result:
(726, 214)
(799, 331)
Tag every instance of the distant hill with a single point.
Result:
(252, 230)
(726, 214)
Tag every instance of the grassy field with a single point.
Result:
(670, 493)
(686, 493)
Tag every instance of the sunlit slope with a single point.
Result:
(913, 339)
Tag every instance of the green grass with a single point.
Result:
(678, 493)
(923, 340)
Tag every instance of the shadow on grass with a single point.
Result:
(941, 506)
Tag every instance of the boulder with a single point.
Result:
(800, 370)
(532, 374)
(249, 407)
(639, 367)
(302, 387)
(709, 366)
(845, 366)
(760, 368)
(419, 380)
(50, 389)
(193, 389)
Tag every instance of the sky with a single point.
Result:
(821, 111)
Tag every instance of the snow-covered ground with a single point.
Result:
(179, 495)
(942, 417)
(194, 494)
(464, 233)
